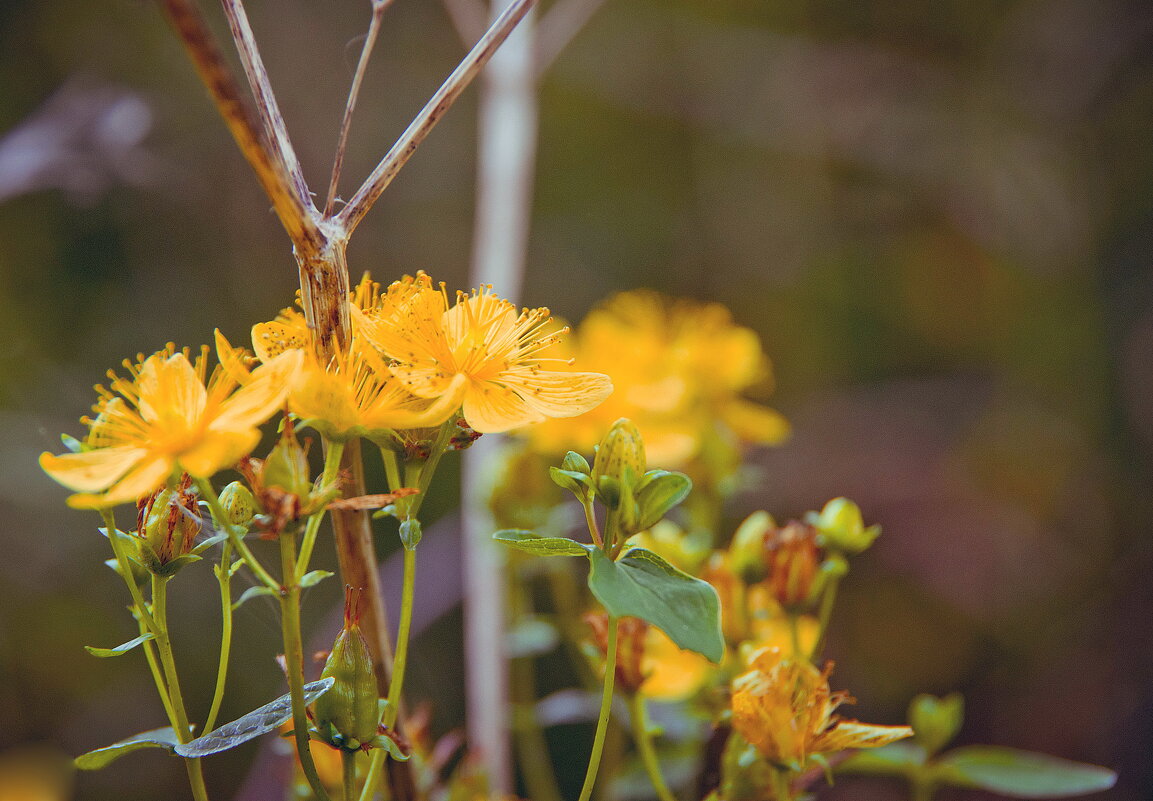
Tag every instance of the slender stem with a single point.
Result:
(378, 8)
(605, 711)
(157, 676)
(795, 635)
(402, 635)
(348, 763)
(331, 469)
(126, 569)
(391, 468)
(224, 576)
(642, 736)
(234, 537)
(782, 787)
(291, 208)
(164, 646)
(266, 105)
(430, 115)
(373, 776)
(591, 521)
(828, 599)
(294, 662)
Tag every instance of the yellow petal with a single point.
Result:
(491, 408)
(264, 393)
(143, 479)
(170, 389)
(232, 360)
(217, 450)
(407, 416)
(91, 471)
(289, 331)
(854, 734)
(559, 394)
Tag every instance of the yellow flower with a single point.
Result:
(679, 369)
(671, 673)
(785, 709)
(167, 418)
(478, 353)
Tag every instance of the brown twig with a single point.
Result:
(378, 9)
(266, 105)
(270, 171)
(430, 115)
(558, 27)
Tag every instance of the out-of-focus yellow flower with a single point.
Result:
(769, 627)
(34, 774)
(478, 353)
(166, 418)
(671, 673)
(785, 709)
(679, 369)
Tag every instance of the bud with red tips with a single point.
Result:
(168, 523)
(348, 715)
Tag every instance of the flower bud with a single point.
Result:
(936, 721)
(747, 550)
(842, 528)
(238, 502)
(620, 455)
(287, 465)
(169, 522)
(348, 715)
(793, 562)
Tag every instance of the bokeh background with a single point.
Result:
(938, 216)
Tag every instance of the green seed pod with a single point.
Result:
(238, 502)
(348, 714)
(287, 465)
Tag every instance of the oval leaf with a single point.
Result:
(156, 738)
(541, 546)
(119, 650)
(255, 723)
(250, 593)
(314, 577)
(657, 493)
(1021, 774)
(642, 584)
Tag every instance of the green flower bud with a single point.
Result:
(620, 455)
(842, 528)
(747, 550)
(287, 466)
(348, 715)
(169, 523)
(936, 721)
(238, 502)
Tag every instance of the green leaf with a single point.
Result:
(410, 533)
(314, 577)
(658, 492)
(541, 546)
(250, 593)
(1021, 774)
(936, 721)
(576, 482)
(255, 723)
(120, 650)
(156, 738)
(894, 759)
(216, 539)
(642, 584)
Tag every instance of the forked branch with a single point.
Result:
(430, 115)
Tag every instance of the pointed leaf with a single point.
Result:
(314, 577)
(1021, 774)
(657, 493)
(644, 585)
(894, 759)
(255, 723)
(156, 738)
(250, 593)
(215, 539)
(120, 650)
(541, 546)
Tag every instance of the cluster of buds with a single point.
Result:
(635, 498)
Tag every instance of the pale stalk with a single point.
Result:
(828, 599)
(643, 738)
(605, 711)
(348, 771)
(164, 646)
(332, 456)
(224, 576)
(294, 661)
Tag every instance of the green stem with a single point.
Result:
(294, 662)
(224, 576)
(348, 762)
(920, 790)
(605, 711)
(391, 468)
(591, 521)
(795, 635)
(164, 646)
(642, 736)
(396, 686)
(331, 469)
(373, 776)
(828, 599)
(157, 676)
(125, 569)
(234, 536)
(424, 479)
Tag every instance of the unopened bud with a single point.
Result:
(287, 465)
(793, 561)
(747, 550)
(238, 502)
(842, 527)
(936, 721)
(348, 715)
(620, 455)
(169, 523)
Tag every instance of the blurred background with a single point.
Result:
(938, 216)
